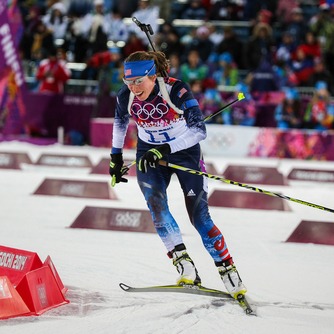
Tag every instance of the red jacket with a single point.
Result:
(52, 74)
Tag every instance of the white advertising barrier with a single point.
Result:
(225, 140)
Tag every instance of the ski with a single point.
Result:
(193, 289)
(243, 302)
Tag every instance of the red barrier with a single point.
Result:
(40, 291)
(27, 286)
(11, 303)
(15, 263)
(49, 263)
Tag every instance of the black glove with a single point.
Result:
(151, 157)
(116, 169)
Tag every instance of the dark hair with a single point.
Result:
(160, 60)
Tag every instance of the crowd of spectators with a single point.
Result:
(285, 46)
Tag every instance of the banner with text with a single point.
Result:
(12, 85)
(239, 141)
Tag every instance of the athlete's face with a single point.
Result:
(142, 88)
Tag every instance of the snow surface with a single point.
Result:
(291, 284)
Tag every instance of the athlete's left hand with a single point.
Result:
(152, 157)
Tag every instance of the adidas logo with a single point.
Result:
(191, 193)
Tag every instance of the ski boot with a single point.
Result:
(231, 278)
(185, 266)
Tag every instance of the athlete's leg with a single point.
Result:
(153, 185)
(195, 192)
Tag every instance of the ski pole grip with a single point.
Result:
(163, 163)
(138, 23)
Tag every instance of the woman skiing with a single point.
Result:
(170, 126)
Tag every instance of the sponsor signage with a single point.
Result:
(254, 174)
(247, 200)
(64, 160)
(315, 232)
(116, 219)
(13, 160)
(73, 188)
(315, 175)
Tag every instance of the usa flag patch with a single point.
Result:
(128, 72)
(182, 92)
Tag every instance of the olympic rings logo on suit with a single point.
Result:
(149, 111)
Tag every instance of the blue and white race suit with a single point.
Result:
(171, 115)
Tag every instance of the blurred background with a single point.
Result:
(61, 65)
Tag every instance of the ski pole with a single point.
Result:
(240, 97)
(243, 185)
(147, 29)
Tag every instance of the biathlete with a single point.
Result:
(170, 126)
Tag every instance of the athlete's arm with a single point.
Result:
(183, 98)
(121, 120)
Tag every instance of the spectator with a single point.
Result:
(302, 67)
(216, 34)
(126, 8)
(285, 76)
(114, 26)
(87, 24)
(260, 46)
(193, 68)
(56, 20)
(227, 72)
(195, 11)
(319, 113)
(52, 73)
(211, 102)
(97, 35)
(288, 114)
(264, 16)
(286, 48)
(197, 90)
(165, 8)
(186, 39)
(76, 42)
(31, 20)
(253, 7)
(244, 112)
(86, 35)
(42, 41)
(263, 79)
(225, 10)
(321, 74)
(169, 42)
(323, 27)
(174, 65)
(202, 43)
(297, 26)
(79, 8)
(231, 43)
(311, 46)
(110, 73)
(147, 14)
(133, 44)
(284, 10)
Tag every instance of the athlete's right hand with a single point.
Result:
(116, 169)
